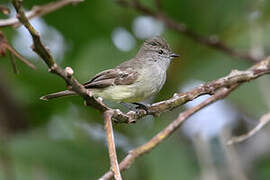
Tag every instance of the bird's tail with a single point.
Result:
(57, 95)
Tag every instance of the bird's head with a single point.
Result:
(158, 48)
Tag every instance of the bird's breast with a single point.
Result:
(151, 80)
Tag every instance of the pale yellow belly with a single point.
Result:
(144, 87)
(120, 93)
(126, 93)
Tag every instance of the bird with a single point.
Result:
(132, 81)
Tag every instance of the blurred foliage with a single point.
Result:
(56, 147)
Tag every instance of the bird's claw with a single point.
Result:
(142, 106)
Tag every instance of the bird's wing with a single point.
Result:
(112, 77)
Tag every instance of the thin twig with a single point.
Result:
(4, 46)
(38, 11)
(211, 41)
(111, 145)
(13, 63)
(263, 121)
(20, 57)
(166, 132)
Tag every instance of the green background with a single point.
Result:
(62, 139)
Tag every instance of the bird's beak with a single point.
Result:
(173, 55)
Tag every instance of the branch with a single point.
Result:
(219, 89)
(211, 41)
(235, 77)
(263, 121)
(178, 99)
(4, 46)
(166, 132)
(111, 145)
(46, 56)
(38, 11)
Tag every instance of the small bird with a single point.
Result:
(134, 80)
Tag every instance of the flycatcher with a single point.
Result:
(134, 80)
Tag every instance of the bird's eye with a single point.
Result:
(153, 43)
(160, 52)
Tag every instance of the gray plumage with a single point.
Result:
(133, 80)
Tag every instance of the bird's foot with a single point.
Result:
(138, 106)
(142, 106)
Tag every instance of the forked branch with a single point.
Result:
(166, 132)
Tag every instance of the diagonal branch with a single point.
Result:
(211, 41)
(265, 119)
(111, 145)
(235, 77)
(219, 89)
(166, 132)
(46, 56)
(72, 83)
(38, 11)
